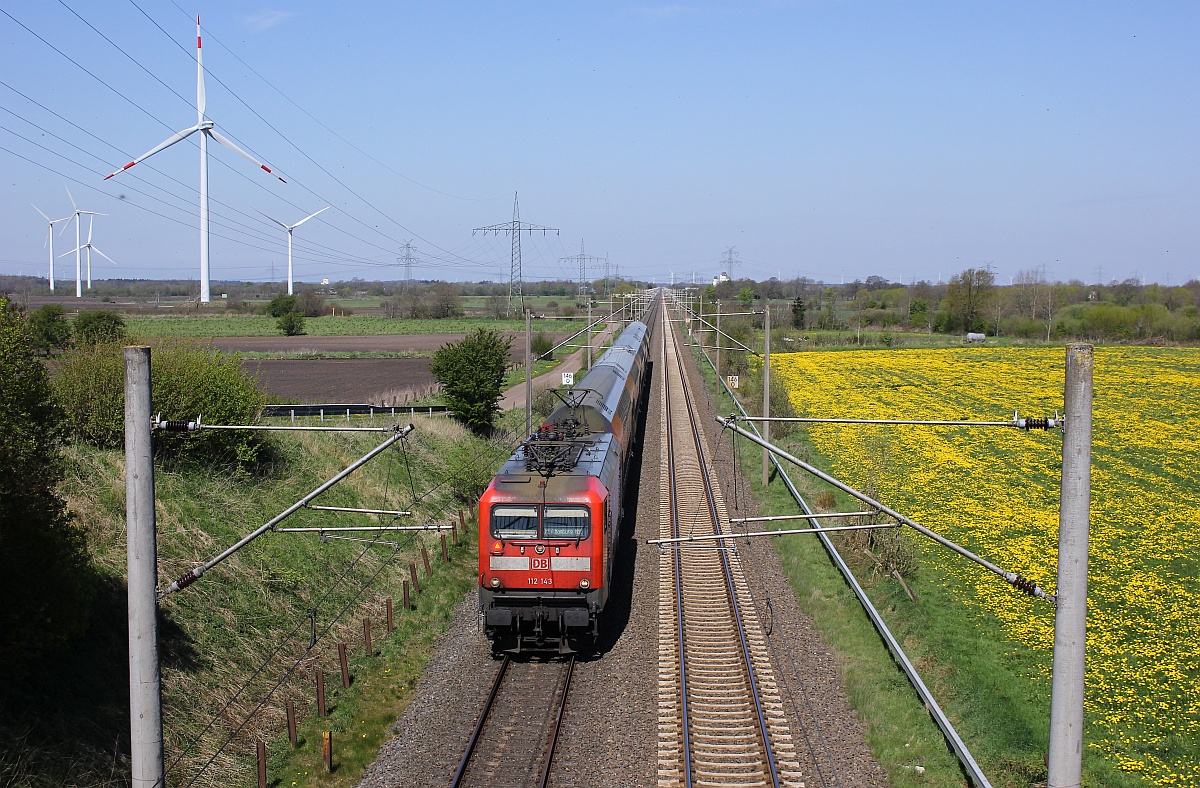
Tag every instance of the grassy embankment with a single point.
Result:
(246, 623)
(992, 689)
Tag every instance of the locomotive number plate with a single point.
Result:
(542, 564)
(540, 581)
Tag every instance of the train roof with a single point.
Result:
(587, 455)
(605, 381)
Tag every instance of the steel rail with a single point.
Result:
(479, 723)
(741, 626)
(965, 759)
(562, 707)
(674, 509)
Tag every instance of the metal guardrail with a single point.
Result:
(350, 409)
(965, 759)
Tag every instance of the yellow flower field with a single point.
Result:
(995, 491)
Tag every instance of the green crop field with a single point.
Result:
(352, 325)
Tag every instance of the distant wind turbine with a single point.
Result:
(205, 127)
(50, 240)
(289, 228)
(78, 246)
(89, 248)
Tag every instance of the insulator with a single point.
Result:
(174, 425)
(1037, 424)
(1021, 584)
(186, 580)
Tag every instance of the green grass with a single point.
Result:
(353, 325)
(987, 685)
(60, 725)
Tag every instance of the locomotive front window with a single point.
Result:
(515, 522)
(565, 522)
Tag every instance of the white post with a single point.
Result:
(528, 376)
(589, 338)
(205, 292)
(1070, 620)
(718, 340)
(145, 693)
(766, 430)
(290, 291)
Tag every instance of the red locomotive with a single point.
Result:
(548, 521)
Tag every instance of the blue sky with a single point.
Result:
(835, 140)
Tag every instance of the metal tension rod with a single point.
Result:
(1018, 422)
(1012, 578)
(821, 516)
(365, 528)
(392, 512)
(180, 425)
(191, 576)
(734, 535)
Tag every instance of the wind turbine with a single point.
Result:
(205, 127)
(89, 248)
(78, 246)
(50, 240)
(289, 228)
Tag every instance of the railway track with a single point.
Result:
(721, 718)
(516, 733)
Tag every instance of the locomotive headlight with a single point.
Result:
(585, 583)
(495, 582)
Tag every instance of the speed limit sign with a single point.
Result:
(568, 378)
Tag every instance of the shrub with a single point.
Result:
(541, 344)
(281, 304)
(99, 325)
(48, 329)
(471, 373)
(46, 580)
(291, 324)
(186, 381)
(310, 303)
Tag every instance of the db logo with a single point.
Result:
(541, 563)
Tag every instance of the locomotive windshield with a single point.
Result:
(565, 522)
(515, 522)
(557, 522)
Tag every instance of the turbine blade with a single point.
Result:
(73, 251)
(200, 100)
(68, 224)
(281, 224)
(102, 254)
(91, 219)
(311, 215)
(39, 210)
(73, 205)
(168, 142)
(213, 133)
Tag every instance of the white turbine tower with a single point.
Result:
(78, 245)
(205, 127)
(289, 228)
(50, 240)
(89, 248)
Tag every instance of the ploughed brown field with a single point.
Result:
(376, 381)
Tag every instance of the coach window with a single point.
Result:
(515, 522)
(565, 522)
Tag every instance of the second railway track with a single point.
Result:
(721, 718)
(516, 734)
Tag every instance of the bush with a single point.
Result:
(541, 344)
(46, 580)
(310, 303)
(186, 381)
(49, 330)
(291, 324)
(281, 304)
(471, 373)
(99, 325)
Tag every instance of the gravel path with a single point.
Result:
(610, 730)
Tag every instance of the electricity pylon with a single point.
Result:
(583, 259)
(516, 290)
